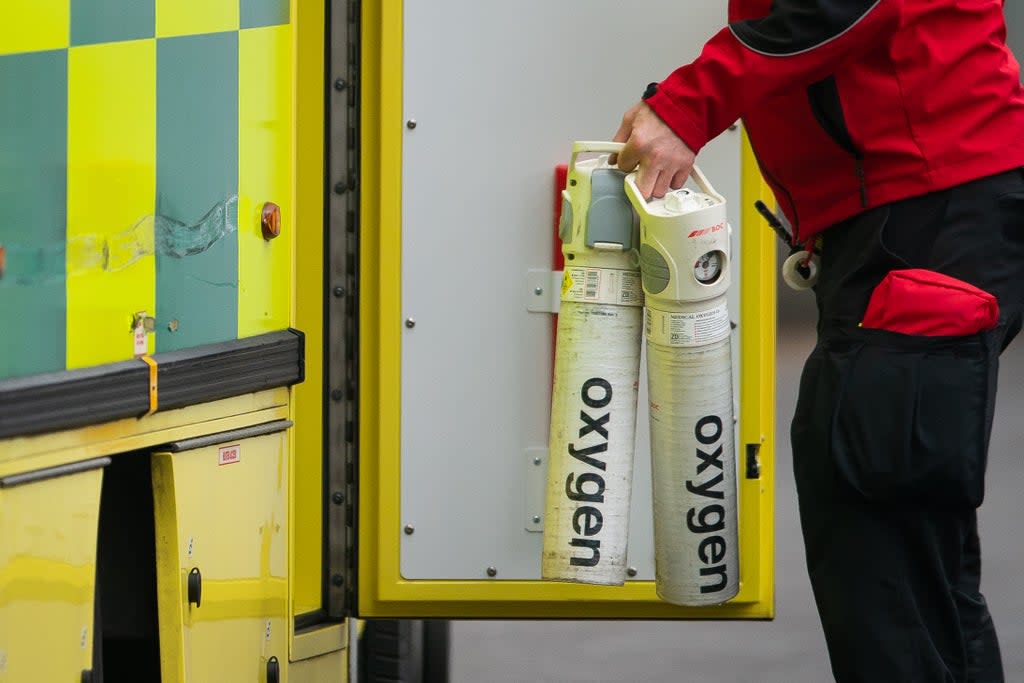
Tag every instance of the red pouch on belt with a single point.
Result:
(926, 303)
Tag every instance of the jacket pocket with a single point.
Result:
(923, 302)
(827, 107)
(912, 416)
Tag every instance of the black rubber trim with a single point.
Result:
(309, 621)
(13, 480)
(224, 437)
(76, 398)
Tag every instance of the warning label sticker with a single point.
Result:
(602, 286)
(229, 455)
(140, 345)
(687, 329)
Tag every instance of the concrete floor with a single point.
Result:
(790, 649)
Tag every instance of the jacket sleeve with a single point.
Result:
(798, 43)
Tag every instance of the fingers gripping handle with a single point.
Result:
(604, 147)
(698, 177)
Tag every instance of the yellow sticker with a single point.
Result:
(567, 282)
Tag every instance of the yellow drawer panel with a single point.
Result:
(221, 520)
(47, 577)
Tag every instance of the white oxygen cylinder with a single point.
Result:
(597, 370)
(684, 261)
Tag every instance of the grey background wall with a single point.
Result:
(1015, 22)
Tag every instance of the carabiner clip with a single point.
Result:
(800, 270)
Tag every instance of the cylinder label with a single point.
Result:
(696, 328)
(694, 474)
(592, 439)
(602, 286)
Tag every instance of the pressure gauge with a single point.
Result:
(708, 267)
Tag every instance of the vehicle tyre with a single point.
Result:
(404, 651)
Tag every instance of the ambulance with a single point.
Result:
(279, 285)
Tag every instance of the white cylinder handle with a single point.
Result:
(595, 147)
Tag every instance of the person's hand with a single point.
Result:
(664, 160)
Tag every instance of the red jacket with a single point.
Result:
(850, 104)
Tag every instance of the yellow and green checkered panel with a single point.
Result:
(139, 141)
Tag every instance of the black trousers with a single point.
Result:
(890, 439)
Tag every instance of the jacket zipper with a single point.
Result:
(827, 108)
(859, 157)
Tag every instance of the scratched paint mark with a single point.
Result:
(22, 266)
(178, 240)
